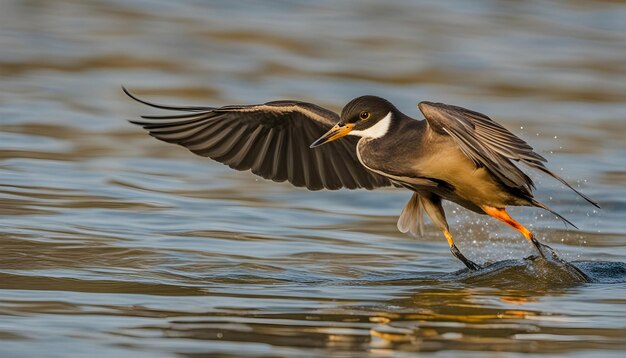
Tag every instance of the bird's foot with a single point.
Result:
(543, 247)
(468, 263)
(531, 257)
(471, 265)
(539, 245)
(554, 259)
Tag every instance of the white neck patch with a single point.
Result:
(378, 130)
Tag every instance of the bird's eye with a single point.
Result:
(364, 115)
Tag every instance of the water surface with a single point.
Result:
(115, 244)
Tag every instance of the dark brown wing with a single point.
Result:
(271, 139)
(489, 144)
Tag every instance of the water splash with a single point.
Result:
(540, 273)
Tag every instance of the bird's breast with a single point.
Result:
(391, 158)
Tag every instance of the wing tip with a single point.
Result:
(561, 217)
(132, 96)
(166, 107)
(137, 99)
(584, 196)
(564, 182)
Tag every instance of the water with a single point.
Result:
(114, 244)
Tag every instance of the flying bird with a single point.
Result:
(453, 154)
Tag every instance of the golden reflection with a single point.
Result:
(518, 300)
(463, 316)
(393, 334)
(378, 319)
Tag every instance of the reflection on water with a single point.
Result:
(118, 244)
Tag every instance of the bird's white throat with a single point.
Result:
(378, 130)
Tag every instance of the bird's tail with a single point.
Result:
(545, 207)
(412, 218)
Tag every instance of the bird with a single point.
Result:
(452, 154)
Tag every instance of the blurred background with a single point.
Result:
(116, 244)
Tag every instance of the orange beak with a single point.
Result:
(334, 133)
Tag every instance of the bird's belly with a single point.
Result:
(472, 187)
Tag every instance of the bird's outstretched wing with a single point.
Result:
(489, 145)
(272, 140)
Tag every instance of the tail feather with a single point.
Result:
(412, 218)
(543, 206)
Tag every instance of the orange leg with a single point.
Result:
(503, 216)
(448, 236)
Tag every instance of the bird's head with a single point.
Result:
(365, 116)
